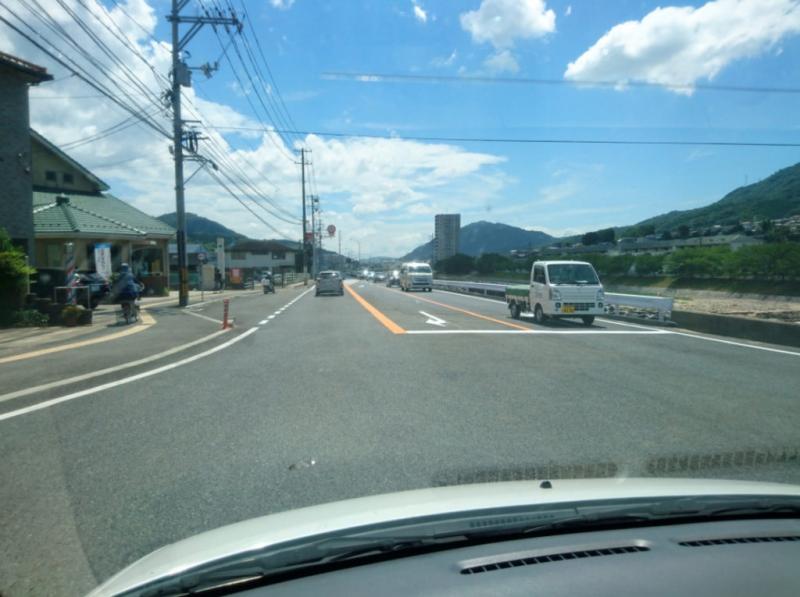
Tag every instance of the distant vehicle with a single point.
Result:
(558, 289)
(393, 279)
(380, 277)
(416, 276)
(329, 282)
(370, 276)
(99, 288)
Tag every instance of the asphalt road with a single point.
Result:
(313, 399)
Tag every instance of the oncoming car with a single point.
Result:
(329, 282)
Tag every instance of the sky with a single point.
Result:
(473, 72)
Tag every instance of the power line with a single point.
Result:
(362, 77)
(522, 141)
(61, 58)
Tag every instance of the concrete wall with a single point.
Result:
(16, 199)
(761, 330)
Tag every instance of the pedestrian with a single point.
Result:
(217, 279)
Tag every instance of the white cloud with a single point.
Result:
(568, 10)
(419, 13)
(501, 22)
(381, 191)
(282, 4)
(682, 45)
(502, 61)
(443, 62)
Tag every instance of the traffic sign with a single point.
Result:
(331, 230)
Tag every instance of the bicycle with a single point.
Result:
(130, 311)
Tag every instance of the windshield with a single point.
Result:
(572, 273)
(258, 256)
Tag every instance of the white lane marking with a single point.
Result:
(271, 316)
(125, 380)
(625, 323)
(731, 342)
(433, 320)
(541, 332)
(85, 376)
(54, 401)
(201, 316)
(263, 321)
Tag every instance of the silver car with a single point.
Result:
(330, 282)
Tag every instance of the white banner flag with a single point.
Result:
(102, 259)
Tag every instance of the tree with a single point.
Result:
(489, 263)
(457, 264)
(606, 235)
(590, 238)
(14, 272)
(648, 265)
(666, 235)
(683, 231)
(646, 230)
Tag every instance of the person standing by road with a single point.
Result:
(217, 279)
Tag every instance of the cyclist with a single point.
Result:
(127, 290)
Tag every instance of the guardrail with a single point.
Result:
(648, 307)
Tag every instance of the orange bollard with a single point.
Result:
(226, 306)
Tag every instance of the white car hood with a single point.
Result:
(266, 531)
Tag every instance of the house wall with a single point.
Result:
(16, 199)
(255, 260)
(44, 161)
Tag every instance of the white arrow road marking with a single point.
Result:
(433, 320)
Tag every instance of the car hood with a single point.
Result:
(266, 531)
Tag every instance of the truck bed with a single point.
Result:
(517, 290)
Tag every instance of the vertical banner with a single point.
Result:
(102, 259)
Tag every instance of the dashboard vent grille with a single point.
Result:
(554, 557)
(737, 540)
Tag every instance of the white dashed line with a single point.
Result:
(263, 321)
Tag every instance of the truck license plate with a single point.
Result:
(568, 309)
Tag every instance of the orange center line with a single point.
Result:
(472, 313)
(388, 323)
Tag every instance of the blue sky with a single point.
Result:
(384, 193)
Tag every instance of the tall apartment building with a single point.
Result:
(447, 228)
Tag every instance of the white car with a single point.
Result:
(592, 537)
(329, 282)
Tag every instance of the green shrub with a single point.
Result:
(14, 272)
(25, 318)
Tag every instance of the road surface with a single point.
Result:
(313, 399)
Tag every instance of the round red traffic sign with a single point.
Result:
(331, 230)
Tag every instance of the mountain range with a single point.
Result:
(777, 196)
(202, 230)
(487, 237)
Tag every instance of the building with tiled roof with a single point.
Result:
(70, 205)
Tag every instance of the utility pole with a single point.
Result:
(303, 164)
(181, 77)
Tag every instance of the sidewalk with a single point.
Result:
(16, 343)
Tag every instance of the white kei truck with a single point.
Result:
(558, 289)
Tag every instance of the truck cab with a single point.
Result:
(558, 289)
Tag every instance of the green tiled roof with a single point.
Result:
(103, 215)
